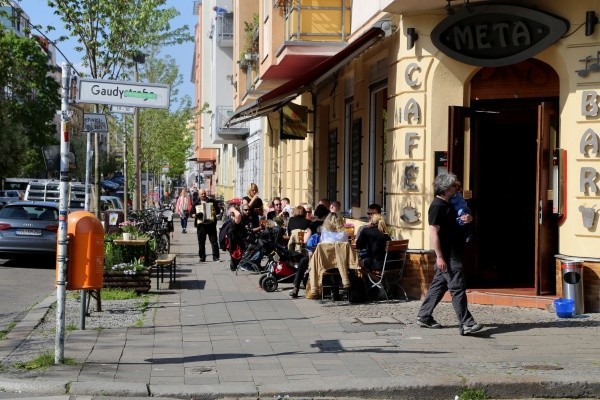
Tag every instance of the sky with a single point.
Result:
(40, 14)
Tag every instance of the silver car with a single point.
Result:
(28, 228)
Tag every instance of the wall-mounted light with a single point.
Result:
(468, 7)
(412, 37)
(591, 20)
(449, 9)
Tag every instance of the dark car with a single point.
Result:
(28, 228)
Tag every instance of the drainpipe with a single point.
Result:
(314, 159)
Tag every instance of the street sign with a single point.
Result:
(93, 122)
(122, 93)
(122, 109)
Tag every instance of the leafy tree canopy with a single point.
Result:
(29, 99)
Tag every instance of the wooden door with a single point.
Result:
(546, 223)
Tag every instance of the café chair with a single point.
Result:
(296, 240)
(388, 278)
(338, 256)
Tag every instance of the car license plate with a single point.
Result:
(29, 232)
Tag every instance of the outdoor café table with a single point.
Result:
(338, 255)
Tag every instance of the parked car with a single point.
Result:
(28, 228)
(111, 202)
(8, 196)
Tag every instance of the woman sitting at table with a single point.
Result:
(332, 230)
(372, 240)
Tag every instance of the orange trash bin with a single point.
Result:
(85, 269)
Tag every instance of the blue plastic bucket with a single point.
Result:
(564, 307)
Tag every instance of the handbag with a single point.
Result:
(186, 213)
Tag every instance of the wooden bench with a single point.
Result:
(166, 261)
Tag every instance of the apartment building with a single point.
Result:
(504, 94)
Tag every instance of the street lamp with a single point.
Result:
(138, 58)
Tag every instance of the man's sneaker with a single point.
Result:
(428, 323)
(468, 329)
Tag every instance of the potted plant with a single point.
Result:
(130, 231)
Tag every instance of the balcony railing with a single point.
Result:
(327, 22)
(224, 29)
(224, 135)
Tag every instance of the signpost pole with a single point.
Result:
(62, 238)
(137, 184)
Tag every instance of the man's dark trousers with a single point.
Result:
(209, 230)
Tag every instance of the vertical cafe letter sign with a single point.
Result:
(355, 162)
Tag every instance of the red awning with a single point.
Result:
(279, 96)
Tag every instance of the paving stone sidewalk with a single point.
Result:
(215, 334)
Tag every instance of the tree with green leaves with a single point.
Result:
(111, 33)
(29, 99)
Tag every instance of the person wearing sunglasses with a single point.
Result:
(372, 209)
(277, 205)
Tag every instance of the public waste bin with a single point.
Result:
(572, 283)
(86, 251)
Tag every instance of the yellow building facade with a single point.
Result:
(504, 95)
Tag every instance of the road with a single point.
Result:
(23, 284)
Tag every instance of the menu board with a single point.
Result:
(355, 163)
(332, 165)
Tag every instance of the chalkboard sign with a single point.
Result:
(355, 163)
(332, 165)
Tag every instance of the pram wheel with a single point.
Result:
(261, 279)
(269, 283)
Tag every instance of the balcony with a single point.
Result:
(224, 29)
(312, 32)
(221, 134)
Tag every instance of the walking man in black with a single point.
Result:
(205, 215)
(447, 239)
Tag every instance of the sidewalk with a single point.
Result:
(217, 335)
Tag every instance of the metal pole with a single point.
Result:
(62, 239)
(125, 187)
(88, 171)
(137, 185)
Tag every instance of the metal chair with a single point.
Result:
(393, 267)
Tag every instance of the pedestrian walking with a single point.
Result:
(184, 208)
(448, 243)
(206, 213)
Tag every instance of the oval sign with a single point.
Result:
(497, 35)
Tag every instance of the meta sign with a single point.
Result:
(493, 35)
(122, 93)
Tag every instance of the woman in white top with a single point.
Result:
(333, 229)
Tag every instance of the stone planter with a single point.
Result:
(140, 282)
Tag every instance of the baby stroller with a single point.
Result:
(282, 268)
(259, 247)
(254, 260)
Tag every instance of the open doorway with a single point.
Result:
(508, 160)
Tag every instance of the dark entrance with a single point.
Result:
(501, 136)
